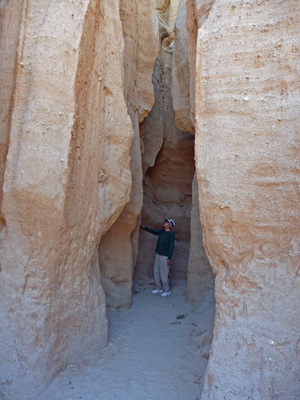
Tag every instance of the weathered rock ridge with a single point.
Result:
(181, 80)
(247, 141)
(200, 275)
(140, 31)
(67, 176)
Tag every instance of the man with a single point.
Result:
(164, 251)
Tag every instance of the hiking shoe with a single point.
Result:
(164, 294)
(156, 291)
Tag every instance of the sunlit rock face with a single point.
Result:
(196, 14)
(66, 179)
(181, 75)
(75, 90)
(247, 148)
(10, 20)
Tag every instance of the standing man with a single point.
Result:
(164, 250)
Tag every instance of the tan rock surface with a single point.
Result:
(154, 129)
(168, 165)
(200, 288)
(181, 75)
(247, 147)
(140, 31)
(75, 89)
(10, 20)
(167, 12)
(168, 194)
(196, 14)
(200, 279)
(67, 179)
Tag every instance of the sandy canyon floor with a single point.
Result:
(158, 350)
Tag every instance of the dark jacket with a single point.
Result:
(165, 243)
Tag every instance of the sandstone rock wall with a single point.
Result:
(247, 147)
(200, 278)
(10, 20)
(140, 31)
(168, 161)
(196, 14)
(167, 13)
(75, 90)
(67, 178)
(180, 86)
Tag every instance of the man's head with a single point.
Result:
(169, 224)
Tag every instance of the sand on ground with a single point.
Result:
(158, 350)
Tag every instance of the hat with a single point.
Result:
(171, 222)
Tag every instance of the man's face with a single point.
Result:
(167, 225)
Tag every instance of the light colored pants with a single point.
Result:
(161, 273)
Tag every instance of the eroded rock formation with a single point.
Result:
(168, 161)
(67, 178)
(75, 90)
(200, 275)
(247, 141)
(181, 75)
(200, 279)
(140, 31)
(11, 14)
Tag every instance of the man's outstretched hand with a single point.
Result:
(142, 226)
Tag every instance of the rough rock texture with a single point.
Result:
(200, 276)
(196, 14)
(140, 31)
(247, 153)
(167, 13)
(67, 179)
(200, 279)
(168, 165)
(181, 75)
(10, 20)
(73, 102)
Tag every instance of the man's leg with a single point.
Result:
(164, 273)
(156, 272)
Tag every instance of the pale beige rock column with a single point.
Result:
(66, 181)
(10, 20)
(140, 30)
(180, 87)
(196, 14)
(200, 279)
(247, 151)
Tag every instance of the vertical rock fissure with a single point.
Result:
(166, 175)
(200, 277)
(140, 33)
(170, 184)
(168, 166)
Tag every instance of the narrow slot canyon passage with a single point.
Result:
(158, 348)
(119, 114)
(151, 354)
